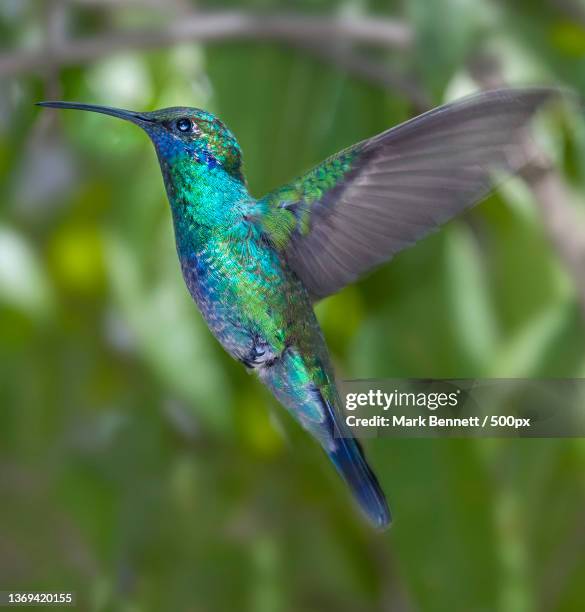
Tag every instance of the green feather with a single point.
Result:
(289, 208)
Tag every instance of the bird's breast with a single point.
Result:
(243, 292)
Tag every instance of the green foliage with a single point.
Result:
(144, 469)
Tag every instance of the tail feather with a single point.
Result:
(348, 457)
(314, 408)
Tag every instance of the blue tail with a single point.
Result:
(306, 402)
(348, 457)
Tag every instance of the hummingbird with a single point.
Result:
(256, 267)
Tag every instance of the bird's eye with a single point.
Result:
(184, 125)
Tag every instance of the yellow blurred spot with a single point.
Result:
(254, 422)
(76, 258)
(340, 316)
(569, 37)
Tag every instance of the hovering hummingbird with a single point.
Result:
(255, 267)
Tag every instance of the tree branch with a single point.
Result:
(213, 27)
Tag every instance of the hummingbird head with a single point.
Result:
(179, 132)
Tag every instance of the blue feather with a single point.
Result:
(348, 457)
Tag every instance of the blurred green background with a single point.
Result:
(139, 465)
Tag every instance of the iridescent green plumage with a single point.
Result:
(255, 267)
(288, 209)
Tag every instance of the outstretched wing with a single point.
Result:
(360, 207)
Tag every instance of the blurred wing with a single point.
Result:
(360, 207)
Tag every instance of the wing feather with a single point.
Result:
(363, 205)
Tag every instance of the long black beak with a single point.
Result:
(128, 115)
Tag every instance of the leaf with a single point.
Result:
(23, 282)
